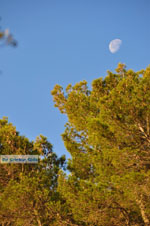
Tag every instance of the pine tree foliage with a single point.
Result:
(108, 137)
(28, 192)
(108, 177)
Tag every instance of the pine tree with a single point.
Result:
(28, 192)
(108, 137)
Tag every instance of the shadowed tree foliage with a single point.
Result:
(28, 192)
(108, 137)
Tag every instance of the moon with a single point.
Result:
(114, 45)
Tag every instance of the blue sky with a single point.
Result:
(62, 42)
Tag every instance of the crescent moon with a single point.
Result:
(114, 45)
